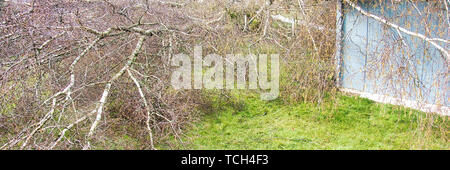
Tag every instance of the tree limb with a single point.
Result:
(395, 26)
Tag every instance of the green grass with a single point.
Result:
(341, 122)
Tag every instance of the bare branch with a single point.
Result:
(144, 100)
(404, 30)
(102, 101)
(40, 124)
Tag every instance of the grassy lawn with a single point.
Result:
(341, 122)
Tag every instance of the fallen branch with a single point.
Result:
(40, 124)
(63, 132)
(299, 22)
(105, 94)
(144, 100)
(173, 4)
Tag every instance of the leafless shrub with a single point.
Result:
(68, 65)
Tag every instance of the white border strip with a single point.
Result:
(429, 108)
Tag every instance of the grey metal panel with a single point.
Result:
(354, 50)
(375, 58)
